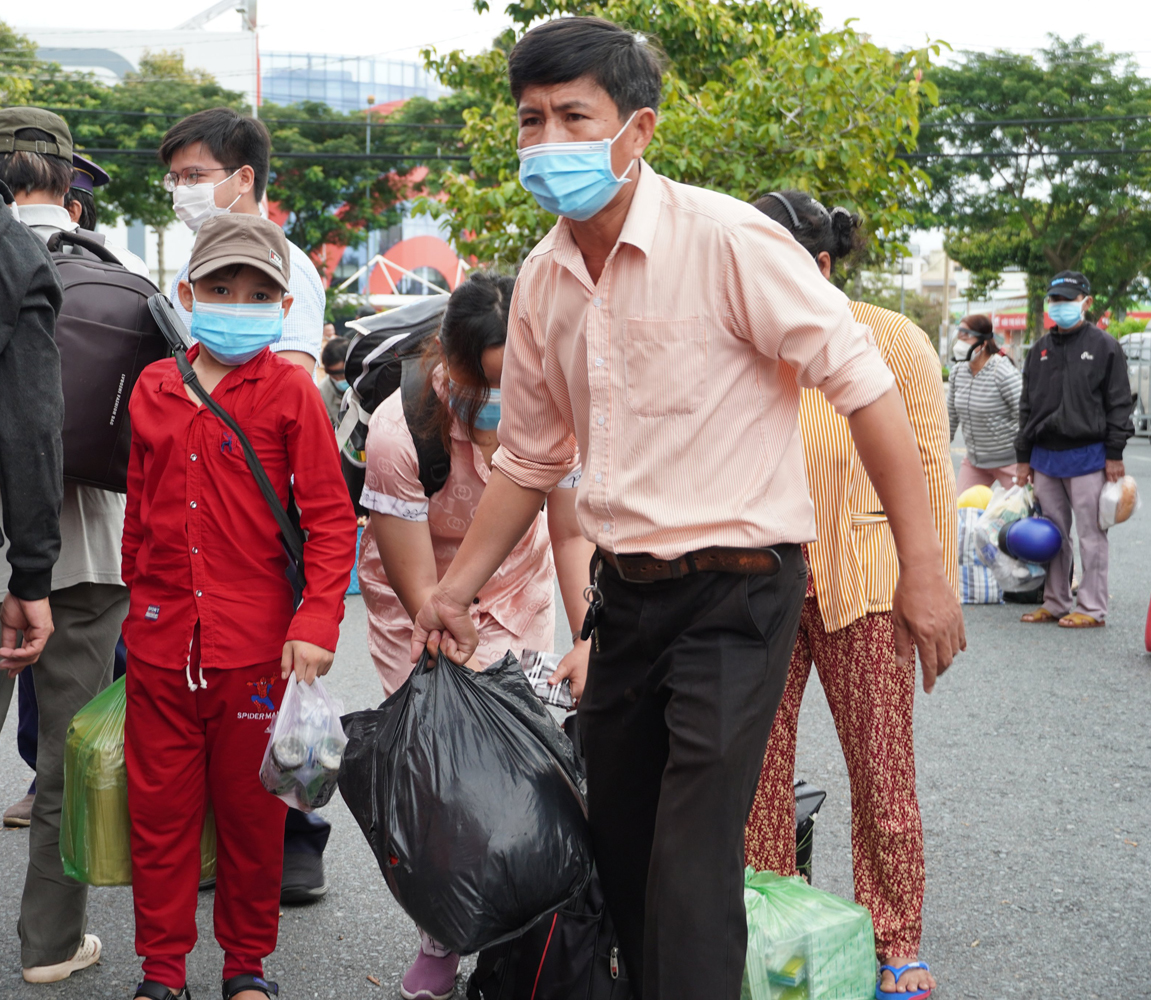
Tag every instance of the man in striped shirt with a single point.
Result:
(668, 330)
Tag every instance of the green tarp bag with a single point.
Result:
(804, 944)
(94, 825)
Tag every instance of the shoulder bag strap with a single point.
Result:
(293, 540)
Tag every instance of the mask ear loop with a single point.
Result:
(611, 142)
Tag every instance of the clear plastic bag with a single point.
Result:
(94, 823)
(804, 944)
(1117, 502)
(1006, 507)
(302, 760)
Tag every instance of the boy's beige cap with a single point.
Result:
(241, 239)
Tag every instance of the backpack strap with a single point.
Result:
(85, 240)
(89, 234)
(419, 409)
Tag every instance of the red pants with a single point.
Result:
(870, 697)
(182, 747)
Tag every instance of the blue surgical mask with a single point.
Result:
(1065, 314)
(572, 179)
(340, 384)
(488, 418)
(235, 333)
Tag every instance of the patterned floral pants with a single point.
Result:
(871, 701)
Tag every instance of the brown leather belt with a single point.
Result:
(644, 568)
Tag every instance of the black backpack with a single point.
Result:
(107, 337)
(571, 955)
(384, 356)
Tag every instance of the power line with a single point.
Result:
(997, 122)
(389, 157)
(1022, 152)
(278, 121)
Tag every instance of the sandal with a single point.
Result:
(237, 984)
(149, 989)
(1040, 616)
(1077, 619)
(897, 972)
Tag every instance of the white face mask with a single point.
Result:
(959, 351)
(196, 205)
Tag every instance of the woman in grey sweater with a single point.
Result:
(983, 397)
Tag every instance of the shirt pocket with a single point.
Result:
(665, 361)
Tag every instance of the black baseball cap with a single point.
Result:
(1069, 285)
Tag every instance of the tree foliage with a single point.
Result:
(336, 200)
(1025, 201)
(17, 66)
(756, 97)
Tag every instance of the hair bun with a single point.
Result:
(844, 226)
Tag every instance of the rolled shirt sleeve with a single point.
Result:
(537, 440)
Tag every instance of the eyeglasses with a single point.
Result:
(191, 177)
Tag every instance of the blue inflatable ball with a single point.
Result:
(1032, 539)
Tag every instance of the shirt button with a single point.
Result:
(599, 477)
(599, 362)
(195, 551)
(193, 456)
(606, 526)
(597, 302)
(193, 505)
(599, 420)
(199, 593)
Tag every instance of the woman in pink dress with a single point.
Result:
(414, 538)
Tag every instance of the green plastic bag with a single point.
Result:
(94, 826)
(804, 944)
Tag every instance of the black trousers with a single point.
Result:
(675, 717)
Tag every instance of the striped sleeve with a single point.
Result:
(917, 374)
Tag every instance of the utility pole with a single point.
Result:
(945, 319)
(368, 205)
(902, 272)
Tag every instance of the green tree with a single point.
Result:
(755, 98)
(18, 66)
(135, 114)
(333, 200)
(1029, 197)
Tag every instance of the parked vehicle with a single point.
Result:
(1137, 348)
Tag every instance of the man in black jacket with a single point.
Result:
(31, 453)
(1074, 422)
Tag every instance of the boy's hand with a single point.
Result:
(306, 659)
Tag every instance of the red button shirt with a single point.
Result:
(200, 543)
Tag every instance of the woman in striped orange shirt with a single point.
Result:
(846, 628)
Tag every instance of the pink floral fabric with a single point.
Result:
(515, 609)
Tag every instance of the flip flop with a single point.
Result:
(1040, 616)
(897, 972)
(1077, 619)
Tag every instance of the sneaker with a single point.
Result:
(430, 978)
(303, 880)
(87, 954)
(20, 813)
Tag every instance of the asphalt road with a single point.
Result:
(1034, 759)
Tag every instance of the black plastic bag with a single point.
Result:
(471, 800)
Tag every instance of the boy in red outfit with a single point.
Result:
(211, 632)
